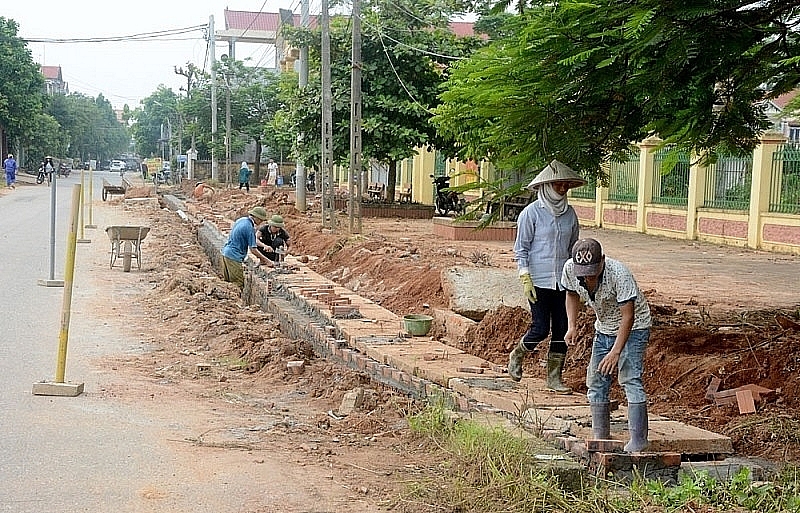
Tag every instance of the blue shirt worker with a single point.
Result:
(622, 329)
(241, 240)
(10, 167)
(546, 231)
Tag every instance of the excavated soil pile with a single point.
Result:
(398, 264)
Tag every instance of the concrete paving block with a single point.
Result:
(474, 292)
(58, 389)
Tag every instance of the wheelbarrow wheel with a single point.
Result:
(127, 254)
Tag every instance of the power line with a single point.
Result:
(162, 35)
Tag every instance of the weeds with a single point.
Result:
(487, 469)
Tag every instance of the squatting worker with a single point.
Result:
(272, 238)
(241, 239)
(546, 231)
(622, 329)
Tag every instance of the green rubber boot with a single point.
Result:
(555, 365)
(515, 361)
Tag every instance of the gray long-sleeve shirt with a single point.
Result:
(544, 242)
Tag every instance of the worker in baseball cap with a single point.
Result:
(241, 239)
(546, 231)
(622, 329)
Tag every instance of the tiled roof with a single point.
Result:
(51, 72)
(241, 20)
(784, 99)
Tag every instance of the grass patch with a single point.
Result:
(488, 469)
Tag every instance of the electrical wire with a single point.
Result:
(254, 18)
(400, 80)
(161, 35)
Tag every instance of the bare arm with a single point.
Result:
(261, 258)
(573, 304)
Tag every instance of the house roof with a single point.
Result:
(783, 100)
(52, 72)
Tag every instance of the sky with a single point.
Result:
(127, 72)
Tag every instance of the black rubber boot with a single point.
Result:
(515, 361)
(555, 365)
(601, 421)
(637, 427)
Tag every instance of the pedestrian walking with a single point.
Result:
(244, 176)
(10, 167)
(546, 231)
(241, 240)
(622, 329)
(272, 172)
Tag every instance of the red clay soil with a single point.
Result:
(398, 264)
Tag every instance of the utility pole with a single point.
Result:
(226, 61)
(213, 59)
(328, 212)
(300, 169)
(354, 203)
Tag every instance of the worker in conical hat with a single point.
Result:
(546, 231)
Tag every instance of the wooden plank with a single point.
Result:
(744, 398)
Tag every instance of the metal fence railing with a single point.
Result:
(728, 182)
(623, 179)
(784, 187)
(588, 191)
(671, 177)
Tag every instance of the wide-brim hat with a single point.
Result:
(555, 171)
(276, 221)
(259, 213)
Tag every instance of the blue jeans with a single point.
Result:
(630, 366)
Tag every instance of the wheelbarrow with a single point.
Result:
(126, 242)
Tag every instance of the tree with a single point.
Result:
(581, 81)
(89, 127)
(21, 83)
(405, 53)
(152, 121)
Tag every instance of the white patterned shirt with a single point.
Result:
(616, 286)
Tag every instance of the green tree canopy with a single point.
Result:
(580, 81)
(21, 83)
(406, 49)
(90, 129)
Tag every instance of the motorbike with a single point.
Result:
(63, 170)
(43, 175)
(447, 201)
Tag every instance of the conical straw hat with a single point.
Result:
(557, 172)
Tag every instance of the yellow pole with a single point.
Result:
(69, 273)
(91, 199)
(81, 208)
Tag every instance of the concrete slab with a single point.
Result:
(58, 389)
(50, 283)
(473, 292)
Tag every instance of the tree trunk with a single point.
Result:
(391, 179)
(257, 166)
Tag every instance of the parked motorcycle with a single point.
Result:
(447, 201)
(63, 170)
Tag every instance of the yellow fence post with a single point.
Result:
(696, 195)
(58, 387)
(644, 191)
(91, 199)
(759, 191)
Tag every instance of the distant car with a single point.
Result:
(117, 165)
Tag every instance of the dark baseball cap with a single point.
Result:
(587, 257)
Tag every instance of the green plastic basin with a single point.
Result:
(417, 325)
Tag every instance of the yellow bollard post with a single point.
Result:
(58, 387)
(82, 207)
(91, 199)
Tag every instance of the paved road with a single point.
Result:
(111, 450)
(58, 454)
